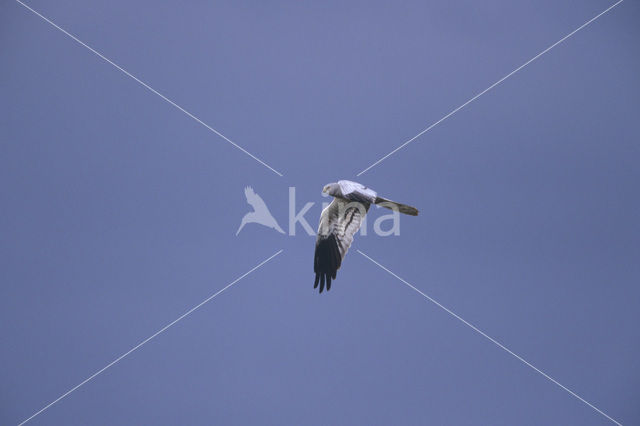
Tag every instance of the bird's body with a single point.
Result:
(340, 221)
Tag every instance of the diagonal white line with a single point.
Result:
(491, 87)
(151, 89)
(139, 345)
(494, 341)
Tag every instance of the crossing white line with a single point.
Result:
(151, 89)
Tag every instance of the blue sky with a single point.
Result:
(119, 212)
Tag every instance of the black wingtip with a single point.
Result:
(327, 260)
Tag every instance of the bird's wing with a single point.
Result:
(338, 224)
(355, 191)
(254, 199)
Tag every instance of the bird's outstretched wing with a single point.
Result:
(355, 191)
(338, 224)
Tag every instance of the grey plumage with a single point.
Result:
(340, 221)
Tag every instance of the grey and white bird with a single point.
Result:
(339, 221)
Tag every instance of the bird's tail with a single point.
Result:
(392, 205)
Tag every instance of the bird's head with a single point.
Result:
(332, 189)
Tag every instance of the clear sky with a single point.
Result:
(119, 212)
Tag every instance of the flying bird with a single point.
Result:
(260, 213)
(339, 221)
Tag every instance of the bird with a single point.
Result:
(339, 221)
(260, 213)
